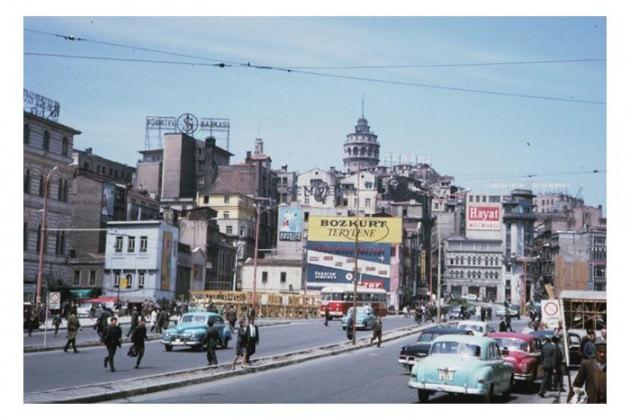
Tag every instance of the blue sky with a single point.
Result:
(304, 119)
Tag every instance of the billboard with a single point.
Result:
(289, 224)
(333, 263)
(344, 229)
(107, 201)
(484, 217)
(165, 272)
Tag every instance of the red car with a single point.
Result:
(524, 353)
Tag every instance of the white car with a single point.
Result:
(83, 310)
(477, 327)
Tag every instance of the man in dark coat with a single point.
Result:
(231, 317)
(73, 329)
(502, 326)
(377, 331)
(588, 351)
(112, 338)
(212, 341)
(549, 361)
(163, 320)
(326, 316)
(138, 337)
(252, 341)
(241, 343)
(559, 385)
(57, 322)
(483, 314)
(592, 375)
(101, 323)
(135, 318)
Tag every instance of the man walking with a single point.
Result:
(326, 316)
(592, 375)
(138, 337)
(135, 317)
(73, 329)
(231, 317)
(241, 343)
(212, 341)
(377, 331)
(112, 338)
(57, 322)
(101, 323)
(483, 314)
(163, 320)
(252, 341)
(549, 360)
(559, 368)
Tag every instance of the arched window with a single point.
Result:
(60, 190)
(64, 146)
(46, 145)
(27, 133)
(355, 151)
(363, 151)
(129, 279)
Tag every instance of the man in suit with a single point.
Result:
(592, 375)
(326, 316)
(138, 337)
(112, 338)
(135, 318)
(212, 341)
(73, 329)
(252, 341)
(377, 331)
(549, 361)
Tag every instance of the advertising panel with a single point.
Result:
(333, 263)
(345, 229)
(289, 224)
(483, 216)
(107, 202)
(165, 272)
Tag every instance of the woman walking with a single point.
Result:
(241, 343)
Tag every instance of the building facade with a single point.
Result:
(273, 275)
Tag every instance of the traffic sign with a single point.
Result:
(54, 300)
(551, 315)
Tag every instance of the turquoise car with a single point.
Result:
(365, 318)
(463, 364)
(192, 329)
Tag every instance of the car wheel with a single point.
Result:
(489, 394)
(508, 393)
(423, 396)
(168, 348)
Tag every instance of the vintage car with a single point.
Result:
(513, 310)
(463, 364)
(192, 329)
(477, 327)
(410, 354)
(364, 320)
(524, 353)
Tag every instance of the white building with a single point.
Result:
(141, 260)
(319, 189)
(365, 200)
(273, 275)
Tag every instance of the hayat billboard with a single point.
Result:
(484, 217)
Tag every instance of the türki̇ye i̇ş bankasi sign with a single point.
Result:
(344, 229)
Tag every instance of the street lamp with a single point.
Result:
(42, 238)
(258, 213)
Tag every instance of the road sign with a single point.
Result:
(54, 300)
(551, 315)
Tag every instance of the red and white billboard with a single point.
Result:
(483, 216)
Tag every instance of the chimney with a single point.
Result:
(88, 150)
(210, 142)
(248, 157)
(332, 169)
(285, 167)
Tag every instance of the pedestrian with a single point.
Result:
(57, 322)
(508, 322)
(589, 346)
(153, 317)
(212, 341)
(112, 338)
(326, 316)
(252, 340)
(138, 337)
(502, 325)
(483, 314)
(231, 317)
(489, 313)
(405, 311)
(241, 342)
(592, 375)
(135, 319)
(377, 331)
(251, 314)
(549, 360)
(92, 311)
(101, 323)
(559, 368)
(163, 320)
(462, 312)
(604, 333)
(73, 329)
(33, 320)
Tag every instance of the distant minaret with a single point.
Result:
(361, 149)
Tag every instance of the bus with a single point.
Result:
(340, 298)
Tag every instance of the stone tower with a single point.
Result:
(361, 148)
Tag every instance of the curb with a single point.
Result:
(101, 392)
(95, 343)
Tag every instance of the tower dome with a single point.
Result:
(361, 149)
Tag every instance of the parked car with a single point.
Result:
(513, 310)
(543, 333)
(465, 365)
(83, 310)
(364, 320)
(411, 354)
(478, 328)
(192, 329)
(575, 355)
(524, 353)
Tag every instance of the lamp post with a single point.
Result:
(42, 238)
(356, 263)
(258, 213)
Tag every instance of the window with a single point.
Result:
(46, 145)
(368, 202)
(242, 231)
(206, 199)
(116, 279)
(60, 243)
(64, 146)
(92, 278)
(129, 279)
(41, 185)
(226, 215)
(228, 230)
(25, 236)
(131, 244)
(284, 180)
(77, 278)
(27, 133)
(27, 181)
(65, 190)
(60, 190)
(283, 277)
(118, 246)
(140, 279)
(265, 275)
(226, 198)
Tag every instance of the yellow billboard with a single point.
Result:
(344, 229)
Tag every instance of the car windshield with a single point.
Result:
(474, 327)
(456, 348)
(426, 337)
(512, 343)
(194, 319)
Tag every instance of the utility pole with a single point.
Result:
(42, 239)
(356, 262)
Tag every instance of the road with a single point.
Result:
(56, 369)
(369, 375)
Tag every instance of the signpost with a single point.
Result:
(53, 302)
(551, 315)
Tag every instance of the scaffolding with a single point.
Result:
(584, 309)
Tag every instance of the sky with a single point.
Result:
(488, 142)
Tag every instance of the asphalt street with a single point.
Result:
(56, 369)
(369, 375)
